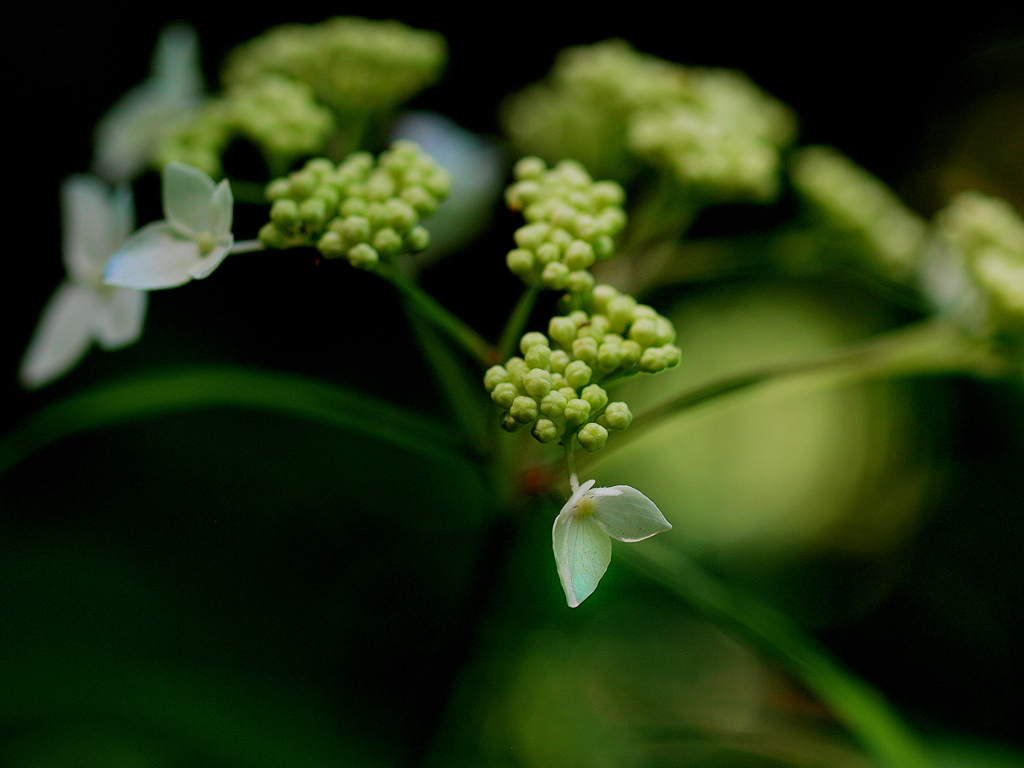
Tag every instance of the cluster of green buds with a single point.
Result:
(570, 223)
(616, 110)
(556, 385)
(362, 209)
(581, 110)
(859, 213)
(353, 64)
(280, 116)
(724, 138)
(974, 264)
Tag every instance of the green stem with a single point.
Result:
(570, 460)
(179, 391)
(428, 308)
(517, 322)
(871, 719)
(247, 246)
(929, 346)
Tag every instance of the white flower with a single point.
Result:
(192, 241)
(126, 134)
(95, 224)
(583, 530)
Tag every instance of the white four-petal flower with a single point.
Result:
(189, 244)
(583, 530)
(126, 134)
(95, 224)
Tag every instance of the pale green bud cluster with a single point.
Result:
(362, 209)
(280, 116)
(199, 142)
(556, 385)
(724, 138)
(986, 236)
(353, 64)
(615, 109)
(570, 223)
(866, 217)
(582, 109)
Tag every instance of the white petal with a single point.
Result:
(154, 257)
(62, 336)
(188, 195)
(86, 213)
(120, 317)
(628, 515)
(221, 210)
(582, 553)
(127, 132)
(211, 261)
(576, 496)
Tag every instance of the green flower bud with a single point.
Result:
(644, 332)
(509, 424)
(439, 183)
(579, 317)
(553, 405)
(586, 227)
(363, 256)
(495, 375)
(609, 356)
(653, 360)
(666, 331)
(387, 241)
(631, 352)
(400, 215)
(567, 392)
(578, 374)
(531, 236)
(604, 246)
(537, 382)
(538, 356)
(522, 193)
(529, 168)
(504, 394)
(606, 193)
(546, 431)
(376, 214)
(558, 360)
(285, 213)
(561, 238)
(611, 221)
(576, 412)
(616, 416)
(417, 239)
(562, 330)
(271, 236)
(563, 216)
(331, 245)
(532, 339)
(579, 282)
(313, 212)
(420, 199)
(558, 383)
(596, 396)
(642, 310)
(380, 186)
(620, 312)
(356, 229)
(354, 206)
(516, 365)
(585, 349)
(520, 262)
(320, 166)
(592, 437)
(303, 183)
(555, 275)
(579, 255)
(330, 197)
(524, 409)
(277, 189)
(548, 252)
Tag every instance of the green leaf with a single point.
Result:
(865, 712)
(173, 391)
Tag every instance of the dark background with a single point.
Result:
(882, 89)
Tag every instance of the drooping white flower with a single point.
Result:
(189, 244)
(126, 134)
(582, 533)
(96, 222)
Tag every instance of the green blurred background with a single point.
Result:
(227, 588)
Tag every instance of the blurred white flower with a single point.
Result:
(126, 134)
(189, 244)
(582, 533)
(96, 222)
